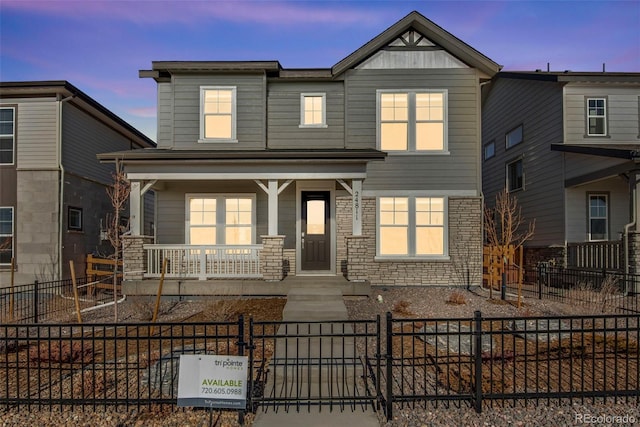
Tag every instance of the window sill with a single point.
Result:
(323, 126)
(435, 258)
(218, 141)
(418, 153)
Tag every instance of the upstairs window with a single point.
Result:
(7, 135)
(313, 110)
(489, 150)
(596, 116)
(598, 217)
(217, 114)
(513, 137)
(515, 175)
(6, 235)
(412, 121)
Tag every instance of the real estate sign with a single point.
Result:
(213, 381)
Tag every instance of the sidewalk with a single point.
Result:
(309, 305)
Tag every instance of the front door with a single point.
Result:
(315, 237)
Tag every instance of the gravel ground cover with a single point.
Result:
(439, 302)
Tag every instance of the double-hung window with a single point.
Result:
(598, 217)
(7, 135)
(218, 114)
(411, 226)
(313, 110)
(596, 116)
(220, 219)
(412, 121)
(6, 235)
(515, 175)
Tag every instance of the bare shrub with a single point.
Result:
(456, 298)
(61, 352)
(402, 308)
(145, 308)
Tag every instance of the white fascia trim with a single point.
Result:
(421, 193)
(250, 176)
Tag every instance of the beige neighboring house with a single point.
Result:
(53, 202)
(367, 170)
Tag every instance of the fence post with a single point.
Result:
(36, 291)
(378, 360)
(540, 273)
(389, 361)
(241, 345)
(477, 354)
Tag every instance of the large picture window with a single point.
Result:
(7, 135)
(218, 114)
(412, 121)
(596, 116)
(6, 235)
(598, 217)
(411, 226)
(220, 219)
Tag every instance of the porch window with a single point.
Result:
(598, 217)
(6, 235)
(313, 110)
(220, 219)
(7, 135)
(411, 226)
(596, 116)
(218, 114)
(412, 121)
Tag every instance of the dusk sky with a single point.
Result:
(99, 46)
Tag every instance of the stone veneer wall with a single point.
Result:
(134, 257)
(534, 255)
(272, 258)
(465, 247)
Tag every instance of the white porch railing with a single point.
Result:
(204, 262)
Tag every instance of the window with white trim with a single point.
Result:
(411, 226)
(596, 116)
(74, 219)
(412, 121)
(218, 114)
(313, 110)
(515, 175)
(6, 235)
(513, 137)
(598, 217)
(7, 135)
(220, 219)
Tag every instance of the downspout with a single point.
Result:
(62, 173)
(627, 227)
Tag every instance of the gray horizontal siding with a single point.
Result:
(83, 137)
(538, 107)
(284, 116)
(250, 109)
(622, 114)
(36, 136)
(165, 109)
(456, 171)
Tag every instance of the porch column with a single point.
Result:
(134, 257)
(357, 268)
(136, 214)
(356, 198)
(271, 258)
(273, 207)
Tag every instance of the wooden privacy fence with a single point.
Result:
(497, 260)
(101, 269)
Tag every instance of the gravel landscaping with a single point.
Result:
(405, 302)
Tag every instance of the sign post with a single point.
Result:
(213, 381)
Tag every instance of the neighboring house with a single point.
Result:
(53, 200)
(368, 169)
(566, 144)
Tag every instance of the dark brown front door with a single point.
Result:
(315, 239)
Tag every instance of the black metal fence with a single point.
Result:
(478, 362)
(603, 290)
(42, 301)
(507, 361)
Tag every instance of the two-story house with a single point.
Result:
(368, 169)
(565, 144)
(53, 199)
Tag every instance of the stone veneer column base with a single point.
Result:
(272, 258)
(634, 258)
(357, 265)
(134, 257)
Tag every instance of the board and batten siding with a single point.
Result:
(457, 170)
(250, 111)
(36, 133)
(578, 208)
(284, 110)
(536, 105)
(83, 137)
(622, 114)
(165, 111)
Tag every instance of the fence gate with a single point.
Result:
(296, 365)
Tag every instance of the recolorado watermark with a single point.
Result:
(600, 419)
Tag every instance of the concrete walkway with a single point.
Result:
(314, 366)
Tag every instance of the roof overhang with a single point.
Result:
(628, 152)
